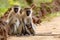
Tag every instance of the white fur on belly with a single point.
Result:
(16, 25)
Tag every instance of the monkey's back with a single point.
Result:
(3, 35)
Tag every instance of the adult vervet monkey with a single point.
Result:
(29, 26)
(12, 20)
(3, 30)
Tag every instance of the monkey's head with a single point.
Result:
(28, 11)
(16, 8)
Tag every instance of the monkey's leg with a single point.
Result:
(19, 30)
(25, 28)
(15, 30)
(11, 30)
(25, 31)
(5, 35)
(31, 29)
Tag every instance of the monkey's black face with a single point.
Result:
(16, 9)
(28, 12)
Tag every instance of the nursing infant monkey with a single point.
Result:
(20, 21)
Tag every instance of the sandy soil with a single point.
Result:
(34, 38)
(52, 27)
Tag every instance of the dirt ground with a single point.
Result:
(51, 27)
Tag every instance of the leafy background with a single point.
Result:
(5, 4)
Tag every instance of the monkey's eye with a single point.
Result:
(28, 12)
(15, 10)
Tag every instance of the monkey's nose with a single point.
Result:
(15, 10)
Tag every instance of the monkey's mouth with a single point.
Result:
(15, 10)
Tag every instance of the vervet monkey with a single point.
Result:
(3, 30)
(12, 20)
(29, 26)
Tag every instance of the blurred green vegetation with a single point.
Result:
(48, 17)
(5, 4)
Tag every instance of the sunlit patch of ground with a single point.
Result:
(34, 38)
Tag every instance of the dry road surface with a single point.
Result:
(51, 27)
